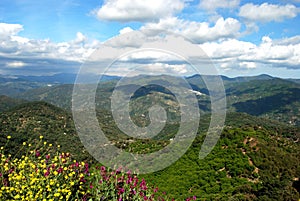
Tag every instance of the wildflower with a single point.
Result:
(8, 137)
(37, 153)
(121, 191)
(143, 185)
(41, 137)
(46, 173)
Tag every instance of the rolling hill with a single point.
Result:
(255, 158)
(7, 103)
(28, 121)
(263, 96)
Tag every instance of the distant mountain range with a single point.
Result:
(70, 78)
(262, 95)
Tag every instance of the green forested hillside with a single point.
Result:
(255, 159)
(275, 99)
(252, 161)
(27, 121)
(7, 103)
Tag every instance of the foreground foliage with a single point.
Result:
(44, 174)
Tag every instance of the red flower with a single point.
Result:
(121, 191)
(37, 153)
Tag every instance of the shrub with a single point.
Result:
(43, 174)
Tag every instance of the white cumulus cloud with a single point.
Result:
(233, 53)
(125, 30)
(9, 29)
(18, 52)
(212, 5)
(268, 12)
(137, 10)
(199, 32)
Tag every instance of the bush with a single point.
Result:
(43, 174)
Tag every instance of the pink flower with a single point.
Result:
(133, 191)
(37, 153)
(129, 180)
(121, 191)
(143, 185)
(46, 173)
(60, 170)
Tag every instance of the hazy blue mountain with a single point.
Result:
(261, 95)
(65, 78)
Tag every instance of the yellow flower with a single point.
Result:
(8, 137)
(24, 143)
(17, 196)
(41, 137)
(56, 194)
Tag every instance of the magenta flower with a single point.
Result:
(121, 191)
(129, 180)
(46, 173)
(37, 153)
(143, 185)
(60, 170)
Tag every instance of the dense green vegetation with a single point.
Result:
(248, 163)
(255, 159)
(7, 103)
(28, 121)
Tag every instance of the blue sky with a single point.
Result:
(242, 37)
